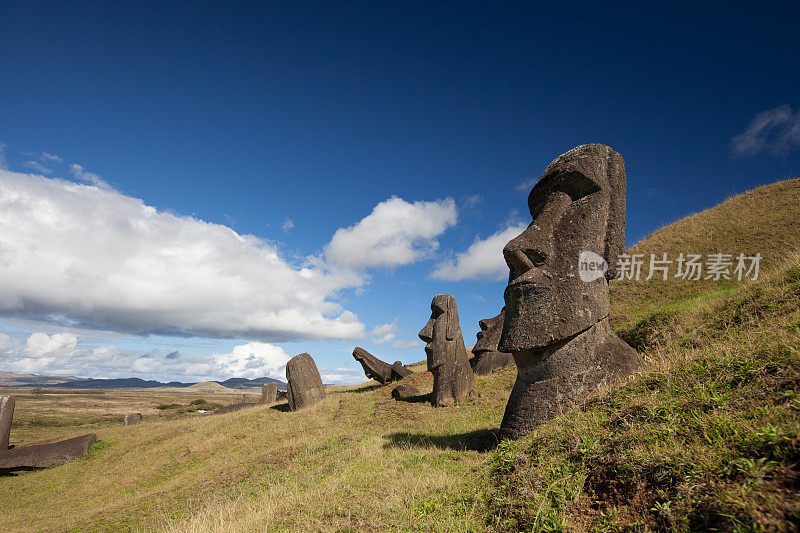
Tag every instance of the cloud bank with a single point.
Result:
(89, 254)
(774, 131)
(482, 260)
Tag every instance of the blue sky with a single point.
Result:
(137, 136)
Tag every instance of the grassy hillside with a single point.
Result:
(708, 437)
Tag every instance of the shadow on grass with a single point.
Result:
(282, 407)
(482, 440)
(419, 398)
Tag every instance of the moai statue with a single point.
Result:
(453, 379)
(305, 384)
(399, 371)
(556, 317)
(6, 416)
(269, 393)
(373, 367)
(376, 369)
(486, 357)
(132, 419)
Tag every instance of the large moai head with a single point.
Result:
(304, 382)
(578, 205)
(487, 358)
(556, 323)
(373, 367)
(447, 357)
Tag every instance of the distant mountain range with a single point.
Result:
(9, 379)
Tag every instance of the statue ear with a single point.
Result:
(452, 325)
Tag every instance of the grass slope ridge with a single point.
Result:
(707, 438)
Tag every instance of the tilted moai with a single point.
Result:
(453, 379)
(486, 358)
(556, 324)
(376, 369)
(304, 382)
(269, 393)
(132, 419)
(6, 417)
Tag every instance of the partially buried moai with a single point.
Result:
(269, 393)
(487, 358)
(6, 417)
(556, 324)
(304, 382)
(453, 379)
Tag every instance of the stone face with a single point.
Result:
(453, 379)
(132, 419)
(401, 392)
(305, 384)
(486, 358)
(373, 367)
(269, 393)
(46, 455)
(555, 324)
(6, 416)
(376, 369)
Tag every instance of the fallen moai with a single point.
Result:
(304, 382)
(37, 455)
(376, 369)
(487, 358)
(453, 379)
(556, 324)
(401, 392)
(46, 455)
(132, 419)
(269, 393)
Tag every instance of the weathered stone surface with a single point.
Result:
(282, 395)
(269, 393)
(555, 324)
(401, 392)
(46, 455)
(486, 358)
(453, 379)
(232, 408)
(399, 371)
(6, 417)
(373, 367)
(305, 384)
(131, 419)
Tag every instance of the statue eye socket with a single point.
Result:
(574, 184)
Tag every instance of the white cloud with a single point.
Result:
(38, 167)
(288, 225)
(395, 233)
(527, 185)
(471, 201)
(775, 131)
(6, 344)
(384, 333)
(342, 376)
(106, 260)
(89, 177)
(404, 345)
(482, 260)
(43, 345)
(51, 158)
(254, 360)
(3, 162)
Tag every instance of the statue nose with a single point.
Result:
(521, 255)
(426, 333)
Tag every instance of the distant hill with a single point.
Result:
(10, 379)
